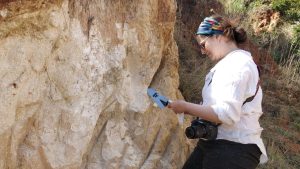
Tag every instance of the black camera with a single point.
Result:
(202, 129)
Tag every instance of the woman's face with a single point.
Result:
(211, 46)
(208, 45)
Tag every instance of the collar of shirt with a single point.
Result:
(229, 58)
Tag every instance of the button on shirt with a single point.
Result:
(228, 84)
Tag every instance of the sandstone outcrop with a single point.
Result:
(73, 82)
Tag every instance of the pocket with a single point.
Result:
(249, 154)
(254, 150)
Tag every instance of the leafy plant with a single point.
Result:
(296, 33)
(288, 8)
(234, 6)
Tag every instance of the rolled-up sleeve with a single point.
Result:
(228, 111)
(229, 93)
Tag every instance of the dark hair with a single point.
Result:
(234, 33)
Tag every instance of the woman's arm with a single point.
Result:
(204, 112)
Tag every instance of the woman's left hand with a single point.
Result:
(178, 106)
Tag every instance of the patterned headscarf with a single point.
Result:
(210, 26)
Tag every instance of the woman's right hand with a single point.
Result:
(178, 106)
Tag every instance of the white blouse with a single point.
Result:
(228, 84)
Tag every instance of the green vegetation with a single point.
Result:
(290, 11)
(234, 6)
(288, 8)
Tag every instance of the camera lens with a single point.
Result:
(193, 132)
(190, 133)
(202, 129)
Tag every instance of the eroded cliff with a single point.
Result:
(73, 82)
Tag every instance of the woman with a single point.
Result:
(231, 97)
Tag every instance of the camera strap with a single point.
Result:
(249, 99)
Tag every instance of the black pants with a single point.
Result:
(223, 154)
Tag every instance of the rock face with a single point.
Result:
(73, 82)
